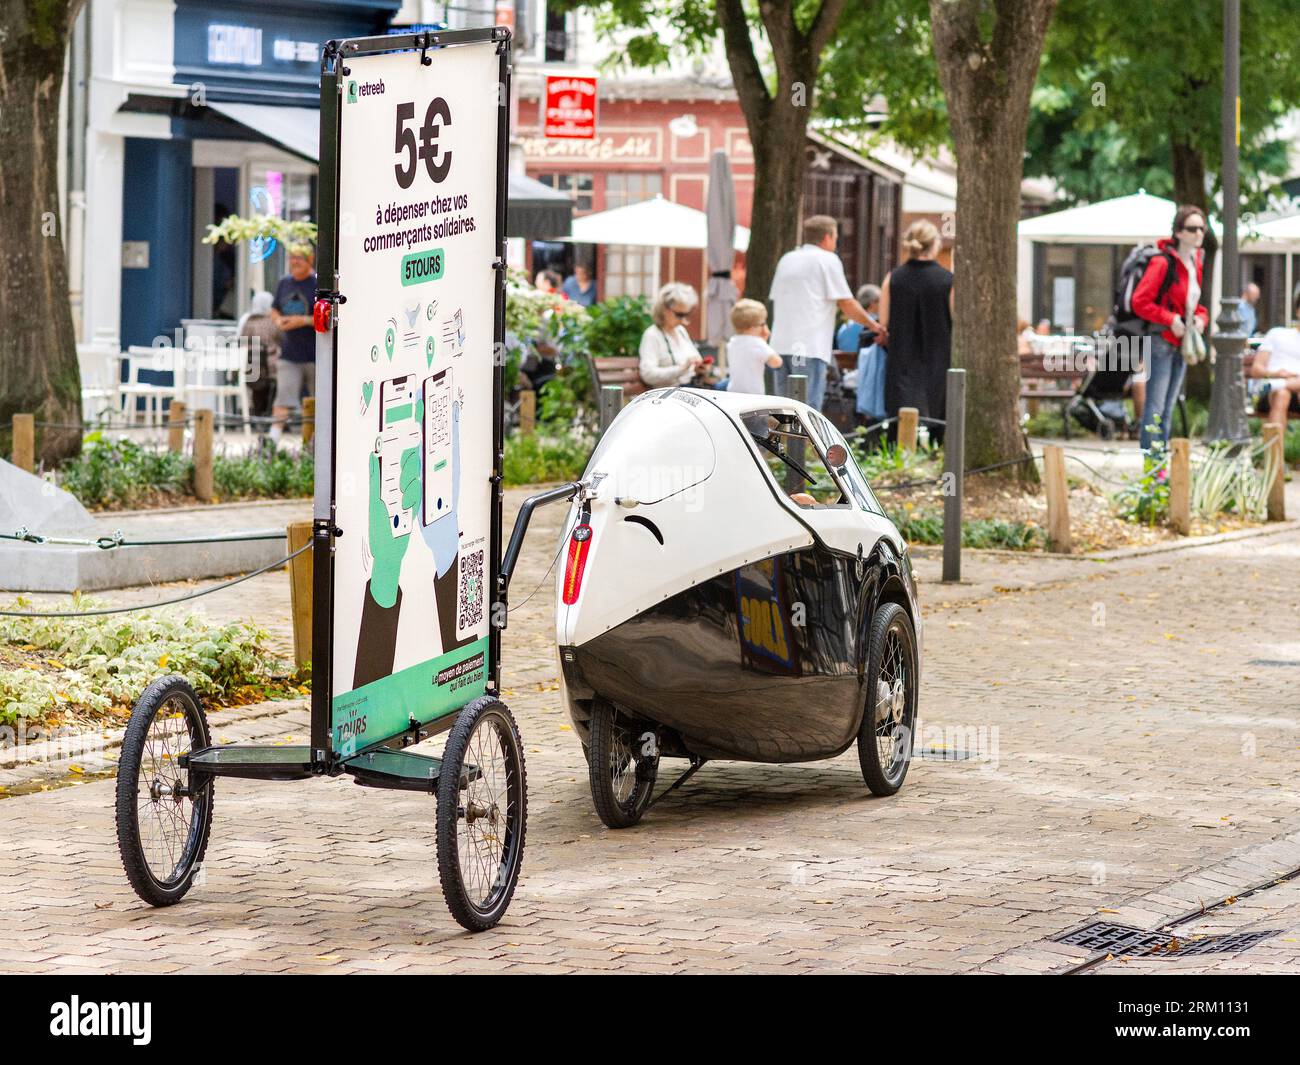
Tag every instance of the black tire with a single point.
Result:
(471, 823)
(889, 717)
(621, 773)
(164, 813)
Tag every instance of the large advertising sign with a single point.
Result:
(413, 391)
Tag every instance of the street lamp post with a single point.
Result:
(1228, 395)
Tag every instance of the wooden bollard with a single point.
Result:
(1058, 500)
(300, 591)
(203, 455)
(1277, 490)
(907, 422)
(308, 420)
(24, 448)
(1180, 486)
(527, 412)
(176, 426)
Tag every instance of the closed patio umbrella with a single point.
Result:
(720, 295)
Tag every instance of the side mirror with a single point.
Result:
(837, 455)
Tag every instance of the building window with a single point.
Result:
(624, 188)
(631, 270)
(578, 186)
(557, 36)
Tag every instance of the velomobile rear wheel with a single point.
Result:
(622, 766)
(889, 718)
(482, 813)
(164, 812)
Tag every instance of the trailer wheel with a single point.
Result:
(482, 814)
(889, 717)
(164, 812)
(622, 767)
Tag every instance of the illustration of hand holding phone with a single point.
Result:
(399, 432)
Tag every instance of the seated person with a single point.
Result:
(748, 352)
(668, 355)
(855, 337)
(1277, 364)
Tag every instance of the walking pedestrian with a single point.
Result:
(295, 372)
(808, 287)
(1182, 314)
(916, 309)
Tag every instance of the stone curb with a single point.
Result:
(96, 752)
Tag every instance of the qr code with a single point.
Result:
(470, 603)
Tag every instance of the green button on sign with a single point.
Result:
(422, 266)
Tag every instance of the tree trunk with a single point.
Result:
(1189, 187)
(38, 356)
(987, 82)
(778, 123)
(778, 190)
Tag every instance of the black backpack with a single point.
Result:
(1124, 321)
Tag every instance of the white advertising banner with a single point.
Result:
(414, 417)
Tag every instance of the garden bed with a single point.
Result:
(87, 672)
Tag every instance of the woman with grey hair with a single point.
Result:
(668, 355)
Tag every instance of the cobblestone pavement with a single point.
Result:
(1138, 724)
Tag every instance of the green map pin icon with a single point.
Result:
(390, 339)
(428, 350)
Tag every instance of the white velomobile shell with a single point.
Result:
(697, 484)
(685, 458)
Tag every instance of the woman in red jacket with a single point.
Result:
(1179, 311)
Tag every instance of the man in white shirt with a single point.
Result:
(808, 287)
(1278, 363)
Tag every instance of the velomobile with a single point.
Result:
(732, 589)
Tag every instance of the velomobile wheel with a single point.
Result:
(482, 812)
(622, 767)
(889, 718)
(164, 812)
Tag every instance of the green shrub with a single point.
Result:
(927, 528)
(124, 473)
(538, 459)
(97, 662)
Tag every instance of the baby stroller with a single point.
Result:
(1099, 404)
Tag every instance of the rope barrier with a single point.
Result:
(188, 420)
(107, 543)
(153, 606)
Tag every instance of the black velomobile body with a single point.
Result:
(711, 608)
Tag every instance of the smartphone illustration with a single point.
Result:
(438, 485)
(398, 432)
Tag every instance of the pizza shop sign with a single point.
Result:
(570, 108)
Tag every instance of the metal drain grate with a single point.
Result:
(1110, 938)
(944, 754)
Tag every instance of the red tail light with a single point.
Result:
(320, 315)
(579, 546)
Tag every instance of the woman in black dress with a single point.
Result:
(916, 309)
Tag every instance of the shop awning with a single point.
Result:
(656, 223)
(1122, 220)
(296, 129)
(537, 211)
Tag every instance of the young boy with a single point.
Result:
(748, 351)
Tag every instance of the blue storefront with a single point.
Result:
(242, 122)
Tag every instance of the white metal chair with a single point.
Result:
(218, 374)
(133, 390)
(100, 379)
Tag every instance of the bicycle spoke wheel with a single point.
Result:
(164, 812)
(482, 809)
